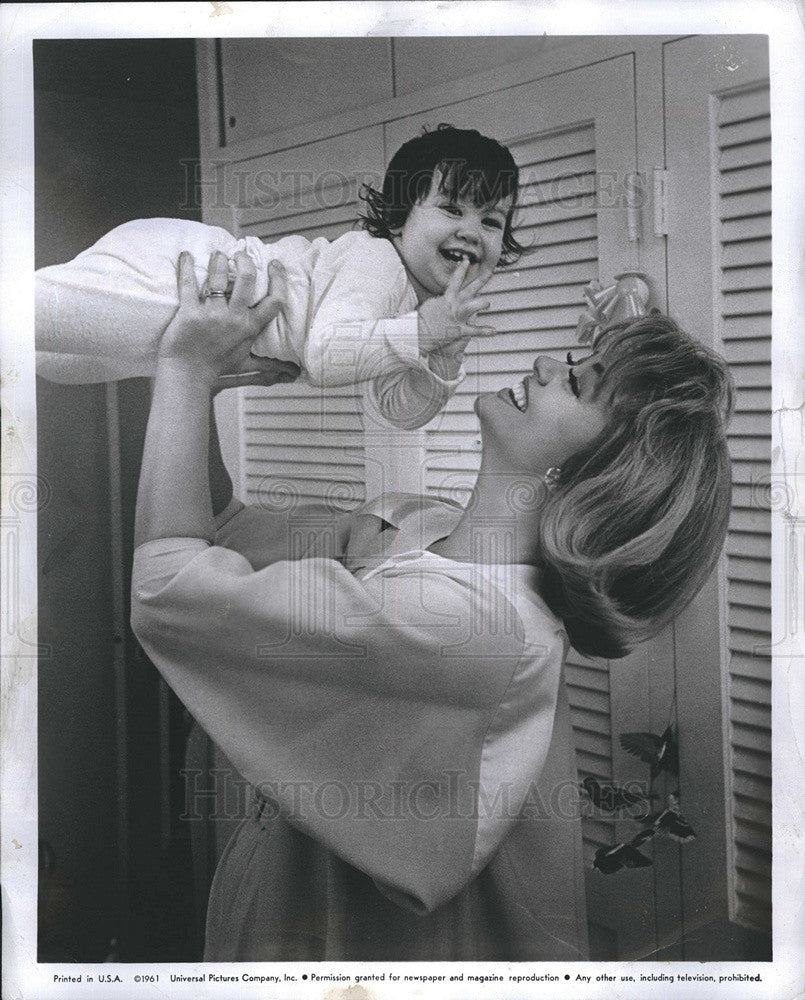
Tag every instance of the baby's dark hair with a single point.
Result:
(471, 165)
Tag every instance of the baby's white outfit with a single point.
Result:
(350, 315)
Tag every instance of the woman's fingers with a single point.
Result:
(267, 371)
(188, 285)
(266, 309)
(245, 279)
(218, 273)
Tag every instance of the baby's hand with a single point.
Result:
(449, 317)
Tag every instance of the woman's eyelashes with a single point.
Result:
(592, 374)
(571, 375)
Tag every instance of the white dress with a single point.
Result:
(408, 732)
(350, 315)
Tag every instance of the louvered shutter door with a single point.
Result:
(744, 247)
(718, 143)
(301, 442)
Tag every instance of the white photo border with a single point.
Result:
(20, 24)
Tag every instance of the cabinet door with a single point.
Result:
(573, 136)
(304, 80)
(719, 287)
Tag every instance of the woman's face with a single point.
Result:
(550, 415)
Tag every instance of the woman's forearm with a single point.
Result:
(174, 492)
(220, 480)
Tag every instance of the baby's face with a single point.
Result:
(439, 233)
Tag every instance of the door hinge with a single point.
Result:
(635, 196)
(660, 202)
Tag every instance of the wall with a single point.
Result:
(273, 84)
(108, 149)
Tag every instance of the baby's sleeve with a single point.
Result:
(101, 316)
(410, 397)
(358, 332)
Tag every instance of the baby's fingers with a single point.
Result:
(474, 286)
(474, 306)
(471, 330)
(457, 277)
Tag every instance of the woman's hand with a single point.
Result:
(212, 335)
(206, 338)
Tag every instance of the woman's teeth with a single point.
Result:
(520, 396)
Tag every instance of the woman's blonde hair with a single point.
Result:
(638, 519)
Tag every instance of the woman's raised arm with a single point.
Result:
(207, 338)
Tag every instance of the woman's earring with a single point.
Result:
(551, 477)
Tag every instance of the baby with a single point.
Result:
(393, 303)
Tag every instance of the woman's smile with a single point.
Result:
(516, 396)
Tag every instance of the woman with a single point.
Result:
(399, 705)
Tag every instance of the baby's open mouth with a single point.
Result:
(456, 256)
